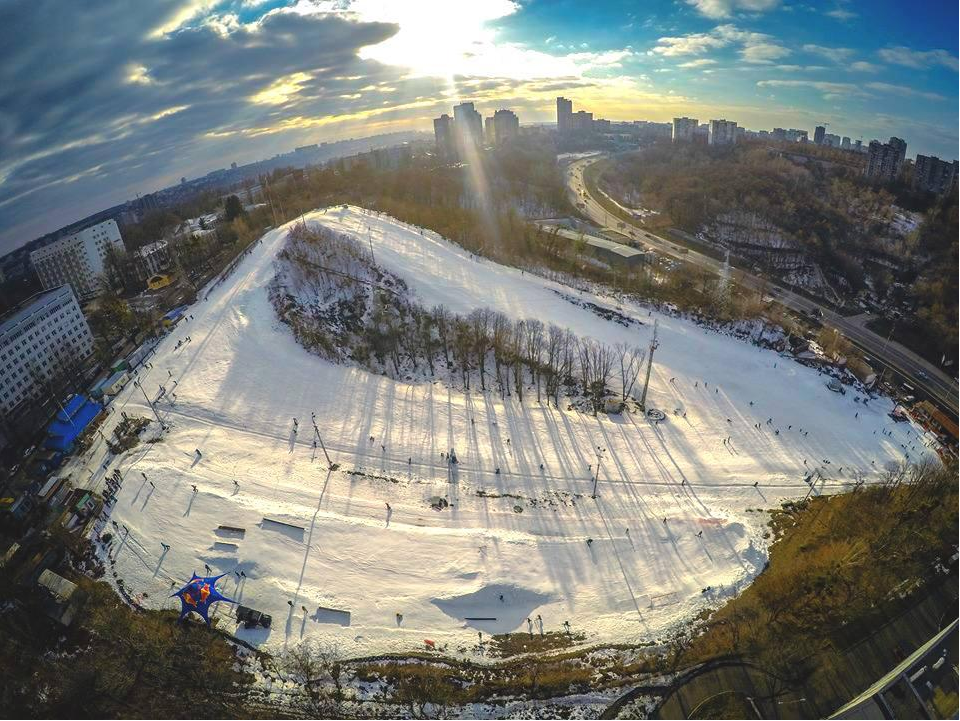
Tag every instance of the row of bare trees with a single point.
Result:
(342, 304)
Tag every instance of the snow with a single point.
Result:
(408, 573)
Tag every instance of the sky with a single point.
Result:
(103, 99)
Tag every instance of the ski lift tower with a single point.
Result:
(654, 344)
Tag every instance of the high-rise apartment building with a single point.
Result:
(564, 113)
(885, 160)
(468, 125)
(581, 121)
(722, 132)
(684, 129)
(818, 134)
(934, 175)
(443, 134)
(506, 125)
(40, 339)
(77, 259)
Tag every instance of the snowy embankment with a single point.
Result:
(357, 556)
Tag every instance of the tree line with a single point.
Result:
(341, 304)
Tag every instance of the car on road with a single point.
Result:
(922, 375)
(29, 451)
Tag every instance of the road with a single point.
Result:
(890, 354)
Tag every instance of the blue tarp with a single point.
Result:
(175, 313)
(70, 422)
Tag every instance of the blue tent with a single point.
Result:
(199, 594)
(70, 422)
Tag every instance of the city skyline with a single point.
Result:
(141, 111)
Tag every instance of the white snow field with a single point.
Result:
(242, 378)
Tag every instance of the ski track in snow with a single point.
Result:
(242, 379)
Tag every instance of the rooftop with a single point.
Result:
(25, 307)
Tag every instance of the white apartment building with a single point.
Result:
(722, 132)
(151, 259)
(39, 338)
(684, 129)
(77, 259)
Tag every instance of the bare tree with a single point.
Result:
(631, 362)
(320, 675)
(534, 351)
(480, 320)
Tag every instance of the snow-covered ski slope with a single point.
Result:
(242, 378)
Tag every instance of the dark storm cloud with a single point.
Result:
(87, 95)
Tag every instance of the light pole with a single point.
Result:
(162, 426)
(596, 478)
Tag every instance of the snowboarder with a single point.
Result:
(589, 541)
(199, 454)
(756, 484)
(165, 546)
(700, 534)
(194, 489)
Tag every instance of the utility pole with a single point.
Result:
(326, 455)
(654, 344)
(596, 478)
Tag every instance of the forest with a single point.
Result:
(896, 244)
(345, 307)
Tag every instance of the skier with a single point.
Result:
(388, 508)
(166, 546)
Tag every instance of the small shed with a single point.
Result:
(61, 598)
(115, 383)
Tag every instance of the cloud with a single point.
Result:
(757, 48)
(719, 9)
(861, 66)
(904, 90)
(833, 89)
(828, 88)
(841, 14)
(836, 55)
(698, 63)
(918, 59)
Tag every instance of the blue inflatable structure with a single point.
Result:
(199, 594)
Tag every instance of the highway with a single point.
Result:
(882, 352)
